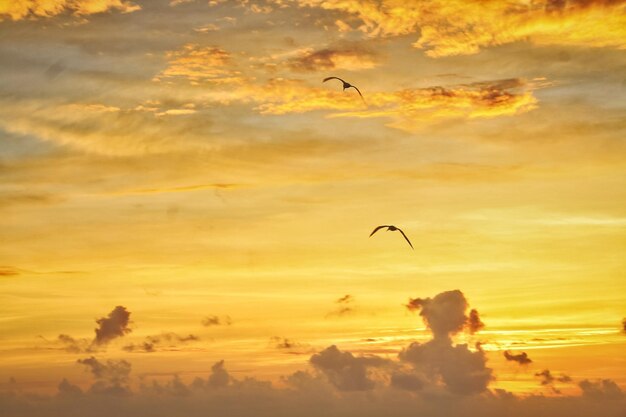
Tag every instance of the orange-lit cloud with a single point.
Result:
(459, 27)
(24, 9)
(201, 64)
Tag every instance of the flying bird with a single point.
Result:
(391, 228)
(345, 85)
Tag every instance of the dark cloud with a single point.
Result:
(455, 368)
(604, 389)
(111, 377)
(521, 358)
(345, 306)
(407, 381)
(73, 345)
(216, 321)
(549, 380)
(219, 375)
(624, 325)
(344, 370)
(345, 299)
(342, 57)
(474, 323)
(164, 340)
(113, 326)
(444, 315)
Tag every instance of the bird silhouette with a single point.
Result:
(391, 228)
(346, 85)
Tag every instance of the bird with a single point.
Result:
(391, 228)
(345, 85)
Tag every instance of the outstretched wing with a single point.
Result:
(407, 239)
(333, 78)
(377, 229)
(358, 91)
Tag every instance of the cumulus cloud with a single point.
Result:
(346, 371)
(521, 358)
(24, 9)
(455, 368)
(604, 389)
(111, 377)
(113, 326)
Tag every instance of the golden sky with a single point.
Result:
(185, 207)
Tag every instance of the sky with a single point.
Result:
(185, 207)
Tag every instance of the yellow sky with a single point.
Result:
(185, 161)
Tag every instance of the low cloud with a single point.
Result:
(344, 370)
(604, 389)
(444, 365)
(111, 377)
(521, 358)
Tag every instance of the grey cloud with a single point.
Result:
(216, 321)
(164, 340)
(604, 389)
(344, 370)
(113, 326)
(521, 358)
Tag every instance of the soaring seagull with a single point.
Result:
(391, 228)
(345, 85)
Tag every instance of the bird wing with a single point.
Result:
(407, 239)
(359, 91)
(333, 78)
(377, 229)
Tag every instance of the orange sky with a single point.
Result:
(184, 161)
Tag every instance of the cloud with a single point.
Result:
(73, 345)
(521, 358)
(444, 314)
(216, 321)
(164, 340)
(25, 9)
(460, 27)
(343, 57)
(549, 380)
(454, 368)
(107, 130)
(196, 63)
(604, 389)
(9, 271)
(344, 370)
(111, 377)
(474, 324)
(345, 306)
(624, 325)
(113, 326)
(290, 346)
(219, 375)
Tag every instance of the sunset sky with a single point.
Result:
(178, 188)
